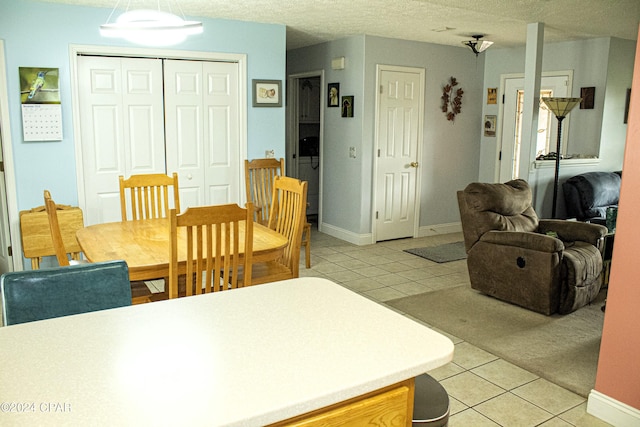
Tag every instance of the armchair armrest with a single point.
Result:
(524, 239)
(571, 231)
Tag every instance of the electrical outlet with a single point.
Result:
(352, 152)
(270, 154)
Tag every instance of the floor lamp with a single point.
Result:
(560, 107)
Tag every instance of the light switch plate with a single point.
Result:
(270, 154)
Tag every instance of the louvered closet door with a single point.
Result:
(122, 128)
(202, 126)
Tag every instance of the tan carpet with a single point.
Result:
(561, 349)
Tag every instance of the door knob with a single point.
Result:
(413, 164)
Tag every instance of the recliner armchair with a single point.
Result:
(546, 266)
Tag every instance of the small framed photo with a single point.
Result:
(347, 106)
(492, 95)
(267, 93)
(588, 95)
(333, 98)
(490, 125)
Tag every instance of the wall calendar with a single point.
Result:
(41, 108)
(42, 122)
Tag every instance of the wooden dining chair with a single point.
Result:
(259, 177)
(56, 235)
(287, 217)
(217, 251)
(148, 196)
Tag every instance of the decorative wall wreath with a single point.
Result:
(447, 102)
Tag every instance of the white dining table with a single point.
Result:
(245, 357)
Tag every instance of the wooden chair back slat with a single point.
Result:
(148, 196)
(215, 255)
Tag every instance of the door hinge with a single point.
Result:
(381, 89)
(503, 98)
(376, 214)
(1, 166)
(378, 152)
(500, 156)
(10, 251)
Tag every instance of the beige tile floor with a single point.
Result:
(484, 390)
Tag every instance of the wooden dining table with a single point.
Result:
(144, 245)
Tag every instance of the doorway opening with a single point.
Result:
(510, 153)
(304, 146)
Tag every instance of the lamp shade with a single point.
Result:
(561, 106)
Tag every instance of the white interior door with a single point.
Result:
(128, 104)
(122, 127)
(399, 128)
(202, 125)
(556, 85)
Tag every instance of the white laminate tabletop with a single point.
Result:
(245, 357)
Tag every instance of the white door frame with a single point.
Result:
(374, 195)
(501, 95)
(9, 170)
(76, 50)
(291, 164)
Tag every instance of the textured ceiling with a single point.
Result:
(447, 22)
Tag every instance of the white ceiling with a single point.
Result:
(447, 22)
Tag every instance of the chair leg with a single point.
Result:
(306, 241)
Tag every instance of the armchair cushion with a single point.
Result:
(503, 207)
(571, 231)
(525, 240)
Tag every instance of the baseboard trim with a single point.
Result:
(367, 239)
(434, 230)
(347, 236)
(612, 411)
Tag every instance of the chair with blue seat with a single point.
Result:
(33, 295)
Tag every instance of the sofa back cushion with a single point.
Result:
(501, 207)
(589, 194)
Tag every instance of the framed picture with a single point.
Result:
(492, 95)
(588, 95)
(267, 93)
(347, 106)
(333, 98)
(490, 125)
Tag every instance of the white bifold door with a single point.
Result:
(141, 115)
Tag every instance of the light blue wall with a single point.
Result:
(606, 64)
(450, 151)
(455, 154)
(38, 34)
(343, 186)
(619, 76)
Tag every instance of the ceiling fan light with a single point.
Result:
(476, 45)
(484, 45)
(151, 28)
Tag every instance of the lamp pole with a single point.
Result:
(560, 107)
(557, 174)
